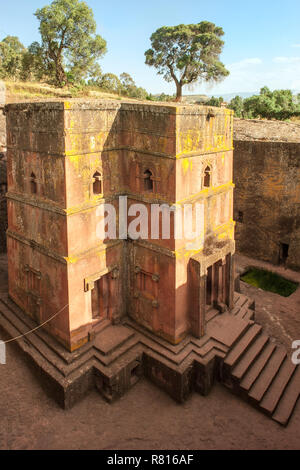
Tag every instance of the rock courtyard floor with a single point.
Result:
(280, 316)
(146, 418)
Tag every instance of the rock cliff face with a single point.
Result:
(3, 175)
(3, 206)
(2, 119)
(267, 194)
(2, 132)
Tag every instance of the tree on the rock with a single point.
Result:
(187, 54)
(68, 30)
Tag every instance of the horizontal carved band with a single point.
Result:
(89, 282)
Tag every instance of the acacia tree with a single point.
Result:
(68, 30)
(187, 54)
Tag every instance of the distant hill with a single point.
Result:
(229, 96)
(194, 98)
(226, 96)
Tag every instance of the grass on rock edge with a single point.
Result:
(268, 281)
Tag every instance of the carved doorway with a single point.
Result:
(283, 253)
(217, 285)
(101, 298)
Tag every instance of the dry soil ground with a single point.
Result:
(146, 418)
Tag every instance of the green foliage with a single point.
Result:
(127, 82)
(109, 82)
(124, 85)
(11, 57)
(269, 281)
(129, 88)
(35, 66)
(139, 93)
(214, 101)
(277, 104)
(67, 55)
(238, 106)
(69, 41)
(161, 97)
(187, 54)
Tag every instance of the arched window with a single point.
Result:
(210, 114)
(207, 177)
(148, 181)
(97, 183)
(33, 184)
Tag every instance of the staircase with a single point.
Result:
(261, 372)
(235, 348)
(244, 308)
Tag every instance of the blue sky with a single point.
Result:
(262, 37)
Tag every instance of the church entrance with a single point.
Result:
(212, 290)
(283, 253)
(101, 298)
(217, 285)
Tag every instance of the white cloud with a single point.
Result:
(245, 63)
(286, 60)
(243, 77)
(295, 85)
(250, 75)
(296, 45)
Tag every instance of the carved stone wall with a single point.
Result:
(267, 200)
